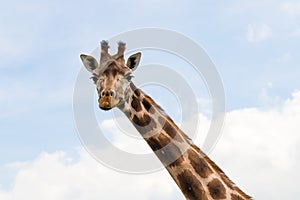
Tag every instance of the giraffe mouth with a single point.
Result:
(107, 103)
(105, 108)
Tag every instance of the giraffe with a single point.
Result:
(197, 176)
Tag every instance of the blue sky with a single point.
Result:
(253, 44)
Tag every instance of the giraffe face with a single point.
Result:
(111, 76)
(112, 84)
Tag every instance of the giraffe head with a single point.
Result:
(112, 76)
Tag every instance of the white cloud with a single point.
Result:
(56, 176)
(258, 150)
(256, 33)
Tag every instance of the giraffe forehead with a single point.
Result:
(115, 70)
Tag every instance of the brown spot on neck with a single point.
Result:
(191, 186)
(135, 104)
(199, 164)
(216, 189)
(172, 130)
(136, 91)
(146, 104)
(156, 143)
(168, 153)
(142, 121)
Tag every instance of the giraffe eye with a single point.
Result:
(129, 77)
(94, 78)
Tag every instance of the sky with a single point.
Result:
(253, 45)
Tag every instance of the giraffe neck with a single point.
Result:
(194, 173)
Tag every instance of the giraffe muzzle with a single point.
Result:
(107, 102)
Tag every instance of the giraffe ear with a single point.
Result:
(89, 62)
(134, 60)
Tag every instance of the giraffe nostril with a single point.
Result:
(107, 93)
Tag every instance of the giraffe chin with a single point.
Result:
(105, 108)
